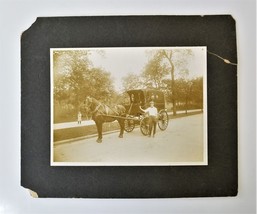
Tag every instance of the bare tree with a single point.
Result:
(177, 63)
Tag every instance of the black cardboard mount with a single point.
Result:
(219, 178)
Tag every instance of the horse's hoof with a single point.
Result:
(99, 141)
(120, 136)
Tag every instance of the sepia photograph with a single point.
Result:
(129, 106)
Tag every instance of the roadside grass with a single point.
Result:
(69, 133)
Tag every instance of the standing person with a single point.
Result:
(153, 113)
(79, 117)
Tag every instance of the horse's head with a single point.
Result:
(88, 102)
(91, 102)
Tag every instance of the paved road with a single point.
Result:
(180, 143)
(91, 122)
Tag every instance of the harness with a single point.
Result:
(97, 107)
(106, 109)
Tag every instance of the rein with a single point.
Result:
(106, 110)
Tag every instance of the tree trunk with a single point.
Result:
(173, 92)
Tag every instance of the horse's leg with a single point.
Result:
(99, 126)
(122, 125)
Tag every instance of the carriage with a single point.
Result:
(142, 97)
(130, 115)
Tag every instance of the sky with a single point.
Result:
(121, 61)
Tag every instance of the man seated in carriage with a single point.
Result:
(134, 105)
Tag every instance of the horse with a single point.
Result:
(102, 113)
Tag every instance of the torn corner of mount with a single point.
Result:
(33, 194)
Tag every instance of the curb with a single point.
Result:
(90, 122)
(56, 143)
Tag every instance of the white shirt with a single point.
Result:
(152, 111)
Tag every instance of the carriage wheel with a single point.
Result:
(163, 120)
(129, 125)
(144, 126)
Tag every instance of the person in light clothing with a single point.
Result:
(153, 114)
(79, 117)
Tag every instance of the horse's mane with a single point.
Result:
(96, 101)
